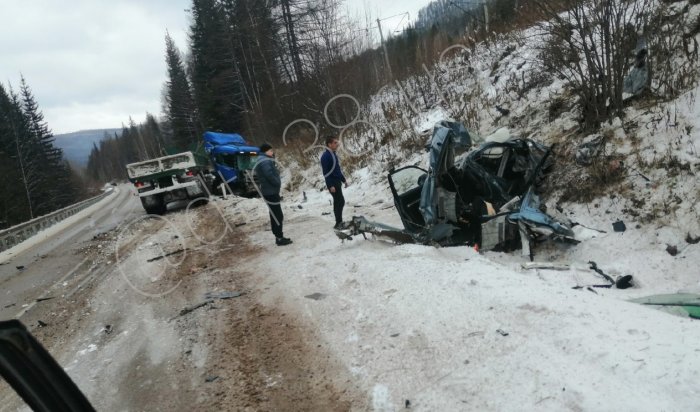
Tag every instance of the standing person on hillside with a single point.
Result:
(270, 184)
(334, 178)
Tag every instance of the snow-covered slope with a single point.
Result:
(453, 329)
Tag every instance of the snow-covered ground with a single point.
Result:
(454, 329)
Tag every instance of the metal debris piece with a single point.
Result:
(619, 226)
(193, 308)
(166, 255)
(316, 296)
(222, 295)
(545, 265)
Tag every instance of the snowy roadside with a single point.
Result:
(451, 329)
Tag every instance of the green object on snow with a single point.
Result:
(681, 304)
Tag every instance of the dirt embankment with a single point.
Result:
(185, 350)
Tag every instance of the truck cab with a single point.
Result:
(233, 160)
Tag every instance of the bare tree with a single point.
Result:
(589, 45)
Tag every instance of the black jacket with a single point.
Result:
(268, 175)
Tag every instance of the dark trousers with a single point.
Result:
(276, 216)
(338, 202)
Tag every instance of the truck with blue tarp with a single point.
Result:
(233, 160)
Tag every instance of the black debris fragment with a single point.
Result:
(408, 404)
(43, 299)
(503, 111)
(594, 267)
(41, 324)
(692, 240)
(20, 268)
(394, 335)
(9, 306)
(316, 296)
(325, 213)
(619, 226)
(165, 255)
(624, 282)
(502, 332)
(107, 329)
(241, 224)
(672, 250)
(299, 207)
(592, 290)
(193, 308)
(211, 378)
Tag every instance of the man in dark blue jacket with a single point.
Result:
(270, 184)
(334, 178)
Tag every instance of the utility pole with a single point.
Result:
(386, 54)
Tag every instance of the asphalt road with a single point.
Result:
(31, 275)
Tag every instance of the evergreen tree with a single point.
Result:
(35, 179)
(15, 206)
(53, 177)
(181, 113)
(24, 150)
(215, 78)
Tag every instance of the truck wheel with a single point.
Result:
(154, 205)
(200, 202)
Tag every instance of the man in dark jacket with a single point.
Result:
(270, 185)
(334, 178)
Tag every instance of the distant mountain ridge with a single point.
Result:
(77, 145)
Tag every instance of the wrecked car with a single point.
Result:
(485, 198)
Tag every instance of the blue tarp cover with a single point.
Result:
(217, 139)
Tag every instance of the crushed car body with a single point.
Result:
(485, 198)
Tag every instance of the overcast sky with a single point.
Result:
(93, 63)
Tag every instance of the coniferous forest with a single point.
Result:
(253, 66)
(34, 177)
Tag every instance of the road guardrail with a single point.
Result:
(19, 233)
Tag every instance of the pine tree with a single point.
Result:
(53, 177)
(15, 206)
(181, 113)
(215, 79)
(24, 150)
